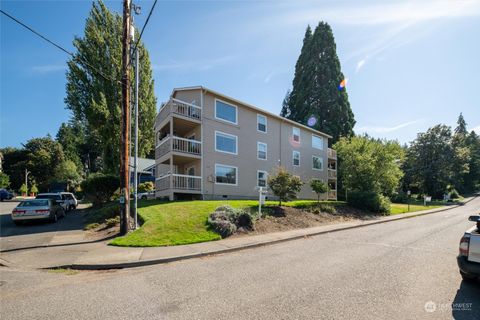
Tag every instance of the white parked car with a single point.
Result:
(469, 256)
(146, 195)
(57, 197)
(71, 202)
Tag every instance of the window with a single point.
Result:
(262, 178)
(317, 142)
(296, 134)
(261, 151)
(225, 112)
(261, 123)
(225, 174)
(296, 158)
(225, 142)
(317, 163)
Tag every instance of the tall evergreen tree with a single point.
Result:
(95, 101)
(461, 128)
(316, 91)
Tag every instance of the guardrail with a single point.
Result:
(332, 154)
(179, 181)
(181, 108)
(179, 144)
(332, 174)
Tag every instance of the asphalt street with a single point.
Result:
(398, 270)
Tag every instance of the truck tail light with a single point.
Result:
(464, 245)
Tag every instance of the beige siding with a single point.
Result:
(279, 142)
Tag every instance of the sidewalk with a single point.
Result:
(95, 256)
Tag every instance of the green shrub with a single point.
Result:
(99, 188)
(226, 220)
(97, 216)
(327, 208)
(368, 200)
(146, 186)
(111, 222)
(454, 194)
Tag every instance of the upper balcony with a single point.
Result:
(180, 109)
(332, 154)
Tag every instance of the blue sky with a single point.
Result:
(410, 64)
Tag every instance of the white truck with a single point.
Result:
(469, 255)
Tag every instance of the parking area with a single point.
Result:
(38, 233)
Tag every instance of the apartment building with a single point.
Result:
(211, 146)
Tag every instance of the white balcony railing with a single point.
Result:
(332, 174)
(332, 195)
(187, 146)
(332, 154)
(179, 182)
(181, 108)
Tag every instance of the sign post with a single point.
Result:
(426, 199)
(261, 199)
(408, 199)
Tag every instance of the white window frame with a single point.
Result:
(321, 139)
(293, 134)
(293, 158)
(321, 162)
(228, 166)
(266, 178)
(227, 103)
(228, 135)
(266, 150)
(266, 123)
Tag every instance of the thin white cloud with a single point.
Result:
(198, 65)
(49, 68)
(360, 65)
(380, 129)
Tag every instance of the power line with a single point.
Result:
(56, 45)
(143, 28)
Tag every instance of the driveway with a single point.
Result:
(38, 233)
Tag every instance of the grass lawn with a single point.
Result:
(175, 223)
(399, 208)
(185, 222)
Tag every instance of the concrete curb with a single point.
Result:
(142, 263)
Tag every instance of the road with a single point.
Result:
(385, 271)
(36, 233)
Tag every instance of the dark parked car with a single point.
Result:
(37, 209)
(5, 195)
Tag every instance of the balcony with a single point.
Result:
(332, 195)
(180, 108)
(179, 182)
(332, 174)
(180, 145)
(332, 154)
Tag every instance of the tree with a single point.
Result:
(370, 165)
(43, 155)
(14, 164)
(318, 187)
(67, 172)
(96, 101)
(4, 180)
(316, 93)
(284, 185)
(429, 161)
(23, 189)
(34, 189)
(461, 128)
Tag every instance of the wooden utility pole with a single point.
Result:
(125, 127)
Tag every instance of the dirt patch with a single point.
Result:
(102, 231)
(287, 218)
